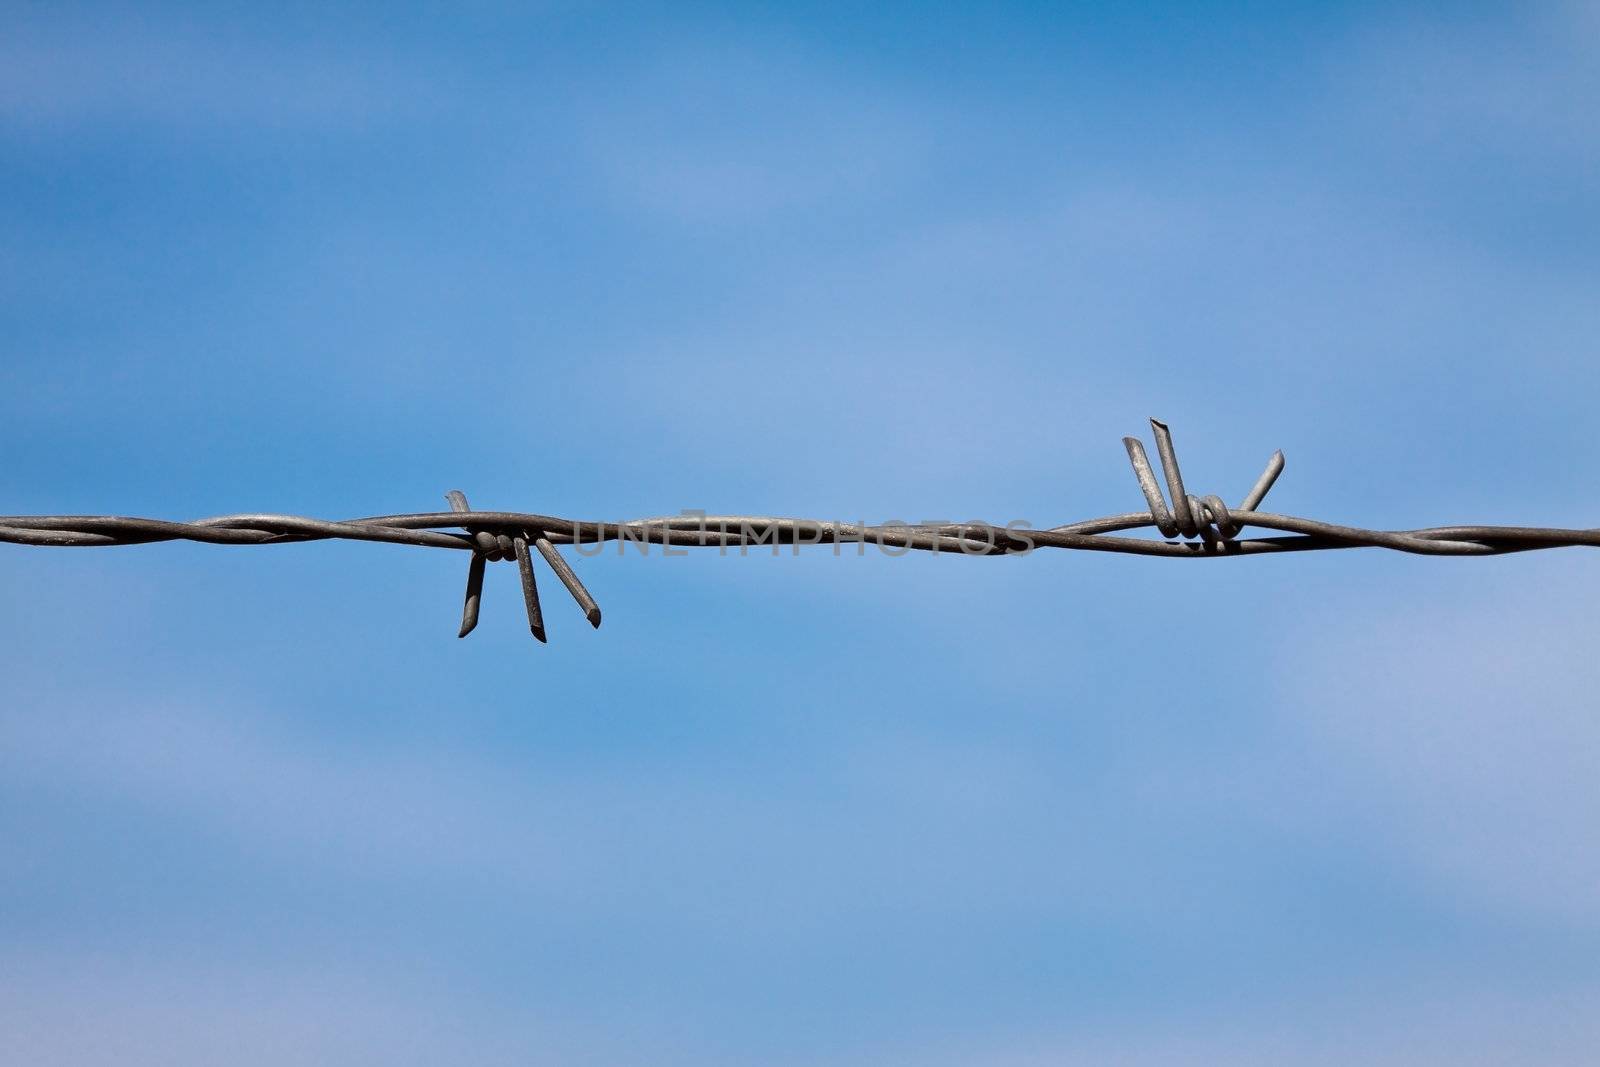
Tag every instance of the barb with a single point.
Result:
(1189, 526)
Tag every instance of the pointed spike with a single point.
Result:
(530, 588)
(1169, 466)
(569, 578)
(1263, 485)
(1147, 484)
(469, 610)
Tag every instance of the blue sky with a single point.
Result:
(260, 804)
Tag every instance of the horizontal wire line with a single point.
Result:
(732, 531)
(1207, 526)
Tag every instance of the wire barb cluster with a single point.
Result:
(1189, 526)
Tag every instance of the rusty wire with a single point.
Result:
(1199, 527)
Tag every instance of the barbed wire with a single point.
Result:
(1193, 527)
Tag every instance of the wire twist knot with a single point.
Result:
(493, 547)
(1206, 517)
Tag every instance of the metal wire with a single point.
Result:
(1207, 527)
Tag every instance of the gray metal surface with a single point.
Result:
(1194, 527)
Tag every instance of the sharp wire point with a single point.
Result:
(1264, 484)
(1148, 486)
(530, 588)
(569, 578)
(1169, 466)
(469, 608)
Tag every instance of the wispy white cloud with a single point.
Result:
(735, 134)
(116, 68)
(348, 811)
(1522, 81)
(92, 1009)
(1469, 709)
(1417, 1026)
(529, 831)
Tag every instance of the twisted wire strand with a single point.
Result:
(1207, 528)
